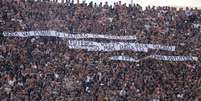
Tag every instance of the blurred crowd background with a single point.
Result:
(45, 69)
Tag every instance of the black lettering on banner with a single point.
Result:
(65, 35)
(42, 33)
(15, 34)
(127, 46)
(162, 47)
(80, 36)
(94, 36)
(97, 48)
(73, 43)
(78, 43)
(186, 58)
(191, 58)
(86, 35)
(94, 48)
(115, 58)
(48, 33)
(92, 43)
(6, 33)
(169, 48)
(161, 57)
(34, 33)
(102, 44)
(138, 47)
(45, 33)
(121, 46)
(76, 36)
(126, 58)
(25, 34)
(167, 58)
(70, 36)
(173, 58)
(173, 48)
(118, 57)
(170, 58)
(12, 34)
(150, 46)
(83, 43)
(70, 42)
(117, 37)
(156, 46)
(89, 48)
(83, 35)
(176, 58)
(22, 34)
(124, 46)
(159, 47)
(122, 58)
(105, 36)
(182, 58)
(145, 45)
(57, 34)
(166, 48)
(37, 33)
(88, 43)
(109, 46)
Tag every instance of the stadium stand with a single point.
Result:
(46, 69)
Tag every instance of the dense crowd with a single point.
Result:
(44, 68)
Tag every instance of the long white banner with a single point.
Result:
(157, 57)
(123, 45)
(174, 58)
(123, 58)
(112, 46)
(67, 35)
(105, 47)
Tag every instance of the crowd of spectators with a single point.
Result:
(44, 68)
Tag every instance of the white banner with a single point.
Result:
(67, 35)
(174, 58)
(123, 58)
(123, 45)
(105, 47)
(157, 57)
(112, 46)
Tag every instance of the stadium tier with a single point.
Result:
(97, 52)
